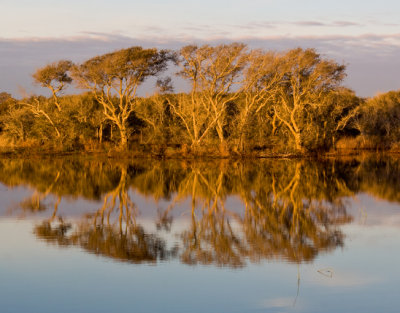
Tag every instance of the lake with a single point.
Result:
(102, 235)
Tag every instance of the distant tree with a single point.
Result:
(4, 97)
(114, 78)
(6, 100)
(380, 117)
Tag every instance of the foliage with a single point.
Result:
(55, 77)
(114, 78)
(240, 102)
(380, 118)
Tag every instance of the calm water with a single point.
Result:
(80, 235)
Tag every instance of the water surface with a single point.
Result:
(87, 235)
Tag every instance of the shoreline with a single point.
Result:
(29, 153)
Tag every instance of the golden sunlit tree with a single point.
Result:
(379, 119)
(114, 79)
(55, 77)
(214, 75)
(308, 80)
(260, 81)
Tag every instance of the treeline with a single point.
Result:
(237, 101)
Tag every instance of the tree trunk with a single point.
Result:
(124, 141)
(220, 132)
(101, 133)
(123, 145)
(297, 141)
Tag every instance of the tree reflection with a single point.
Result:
(111, 231)
(282, 218)
(238, 212)
(53, 233)
(291, 219)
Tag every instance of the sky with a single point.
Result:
(364, 35)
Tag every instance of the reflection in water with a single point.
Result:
(132, 244)
(122, 240)
(289, 209)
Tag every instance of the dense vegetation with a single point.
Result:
(237, 101)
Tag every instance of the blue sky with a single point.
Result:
(365, 35)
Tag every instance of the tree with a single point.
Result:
(55, 77)
(16, 123)
(155, 111)
(260, 80)
(114, 78)
(380, 117)
(6, 101)
(213, 73)
(39, 108)
(308, 80)
(4, 97)
(48, 118)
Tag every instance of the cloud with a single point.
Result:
(309, 23)
(344, 23)
(257, 25)
(305, 24)
(326, 24)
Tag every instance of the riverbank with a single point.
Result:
(179, 153)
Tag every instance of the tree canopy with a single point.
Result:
(114, 78)
(231, 100)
